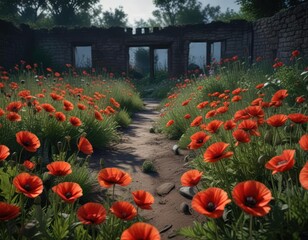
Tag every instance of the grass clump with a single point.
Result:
(148, 167)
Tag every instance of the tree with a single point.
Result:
(172, 12)
(168, 10)
(191, 13)
(70, 12)
(254, 9)
(8, 9)
(116, 18)
(31, 11)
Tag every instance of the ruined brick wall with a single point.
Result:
(270, 37)
(15, 44)
(279, 35)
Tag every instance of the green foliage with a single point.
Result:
(148, 167)
(291, 78)
(123, 118)
(255, 9)
(118, 18)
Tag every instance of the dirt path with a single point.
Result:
(137, 145)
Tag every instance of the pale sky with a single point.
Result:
(136, 9)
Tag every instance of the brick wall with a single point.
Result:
(279, 35)
(270, 37)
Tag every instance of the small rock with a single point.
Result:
(184, 207)
(164, 189)
(162, 201)
(187, 192)
(152, 130)
(172, 234)
(176, 149)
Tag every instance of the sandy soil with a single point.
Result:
(137, 145)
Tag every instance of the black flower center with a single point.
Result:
(200, 140)
(210, 207)
(27, 187)
(68, 195)
(250, 201)
(27, 143)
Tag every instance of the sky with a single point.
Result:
(136, 9)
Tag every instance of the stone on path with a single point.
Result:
(187, 192)
(165, 188)
(184, 207)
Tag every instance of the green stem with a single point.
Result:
(250, 227)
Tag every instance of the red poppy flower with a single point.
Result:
(241, 136)
(216, 152)
(75, 121)
(85, 146)
(169, 123)
(141, 230)
(303, 142)
(29, 165)
(91, 213)
(213, 126)
(196, 122)
(123, 210)
(4, 152)
(281, 163)
(48, 107)
(68, 191)
(107, 177)
(237, 91)
(229, 125)
(81, 106)
(2, 112)
(8, 211)
(303, 176)
(143, 199)
(187, 116)
(295, 53)
(210, 202)
(210, 113)
(252, 197)
(298, 118)
(59, 168)
(241, 115)
(198, 139)
(60, 116)
(191, 178)
(13, 117)
(277, 120)
(186, 102)
(300, 99)
(236, 98)
(259, 86)
(114, 102)
(30, 185)
(98, 116)
(14, 106)
(67, 105)
(56, 97)
(202, 105)
(249, 126)
(255, 111)
(279, 95)
(222, 109)
(28, 140)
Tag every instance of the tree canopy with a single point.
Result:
(254, 9)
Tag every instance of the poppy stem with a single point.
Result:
(250, 227)
(113, 187)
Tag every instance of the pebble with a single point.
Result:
(165, 188)
(187, 192)
(184, 207)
